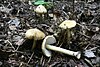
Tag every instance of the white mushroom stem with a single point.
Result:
(65, 51)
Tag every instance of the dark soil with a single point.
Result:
(16, 17)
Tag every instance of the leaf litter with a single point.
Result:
(16, 17)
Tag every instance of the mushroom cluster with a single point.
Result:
(36, 34)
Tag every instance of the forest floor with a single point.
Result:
(16, 17)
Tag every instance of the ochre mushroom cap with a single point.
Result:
(67, 24)
(34, 34)
(41, 9)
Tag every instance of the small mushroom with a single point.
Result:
(46, 47)
(67, 25)
(41, 9)
(35, 34)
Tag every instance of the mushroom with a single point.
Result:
(35, 34)
(67, 25)
(41, 9)
(46, 47)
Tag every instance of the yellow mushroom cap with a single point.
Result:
(67, 24)
(34, 34)
(41, 9)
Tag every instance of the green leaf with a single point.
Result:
(40, 2)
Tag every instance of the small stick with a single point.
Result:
(11, 44)
(30, 58)
(41, 60)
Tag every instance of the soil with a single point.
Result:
(17, 16)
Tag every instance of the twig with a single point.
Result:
(49, 60)
(92, 49)
(41, 60)
(30, 58)
(84, 35)
(11, 44)
(89, 62)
